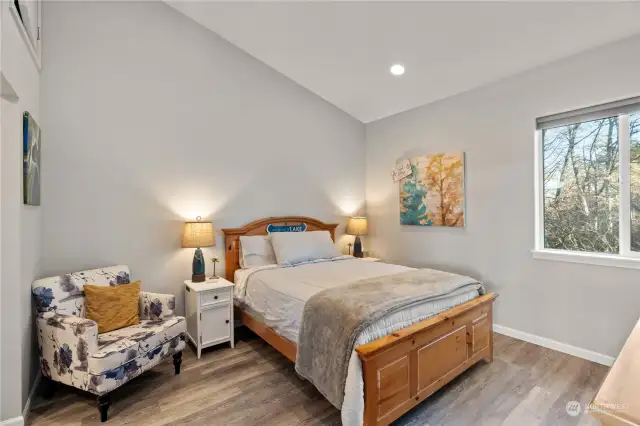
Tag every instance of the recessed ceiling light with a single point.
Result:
(397, 69)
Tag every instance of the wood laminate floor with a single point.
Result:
(254, 385)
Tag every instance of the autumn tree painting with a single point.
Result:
(433, 195)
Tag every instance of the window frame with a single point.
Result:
(625, 258)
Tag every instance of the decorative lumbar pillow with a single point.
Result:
(292, 248)
(256, 250)
(113, 307)
(156, 306)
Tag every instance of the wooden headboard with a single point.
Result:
(259, 227)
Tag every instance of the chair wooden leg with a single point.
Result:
(177, 360)
(104, 401)
(48, 388)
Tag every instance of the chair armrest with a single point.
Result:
(66, 342)
(156, 306)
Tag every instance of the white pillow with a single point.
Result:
(256, 250)
(292, 248)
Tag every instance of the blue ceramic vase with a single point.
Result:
(198, 267)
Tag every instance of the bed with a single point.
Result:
(398, 361)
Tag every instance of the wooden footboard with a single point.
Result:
(402, 369)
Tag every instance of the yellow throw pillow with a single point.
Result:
(113, 307)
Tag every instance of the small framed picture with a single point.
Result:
(31, 160)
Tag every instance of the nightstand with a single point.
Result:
(370, 259)
(209, 312)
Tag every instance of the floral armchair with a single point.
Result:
(74, 353)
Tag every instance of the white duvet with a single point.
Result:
(279, 295)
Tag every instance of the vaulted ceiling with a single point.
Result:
(343, 51)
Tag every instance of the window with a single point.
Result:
(588, 183)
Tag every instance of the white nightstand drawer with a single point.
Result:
(213, 297)
(217, 324)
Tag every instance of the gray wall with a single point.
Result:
(592, 307)
(20, 227)
(150, 119)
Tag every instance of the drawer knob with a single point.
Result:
(227, 321)
(215, 297)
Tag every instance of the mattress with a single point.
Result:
(277, 296)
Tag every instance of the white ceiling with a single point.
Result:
(343, 51)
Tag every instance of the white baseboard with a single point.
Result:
(16, 421)
(555, 345)
(32, 393)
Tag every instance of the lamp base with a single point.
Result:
(197, 270)
(357, 248)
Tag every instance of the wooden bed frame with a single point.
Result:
(405, 367)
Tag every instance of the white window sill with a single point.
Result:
(599, 259)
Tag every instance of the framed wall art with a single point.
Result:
(433, 194)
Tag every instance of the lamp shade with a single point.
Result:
(357, 226)
(198, 234)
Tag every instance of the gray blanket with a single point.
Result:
(333, 319)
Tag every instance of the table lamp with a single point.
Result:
(357, 226)
(198, 234)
